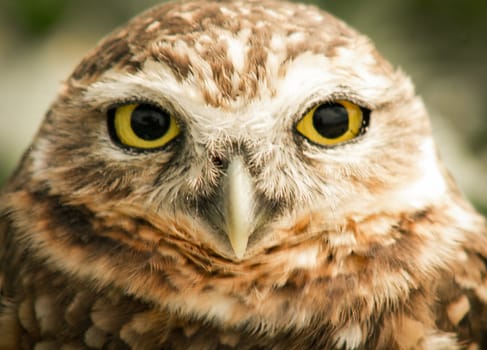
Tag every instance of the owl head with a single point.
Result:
(239, 121)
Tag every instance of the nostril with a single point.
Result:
(219, 162)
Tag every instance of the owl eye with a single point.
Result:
(142, 126)
(333, 123)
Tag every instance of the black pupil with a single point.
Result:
(149, 123)
(331, 120)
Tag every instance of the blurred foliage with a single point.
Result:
(34, 17)
(4, 172)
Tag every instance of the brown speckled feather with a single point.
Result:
(366, 244)
(42, 305)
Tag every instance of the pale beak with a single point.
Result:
(239, 206)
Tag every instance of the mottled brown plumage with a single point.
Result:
(241, 232)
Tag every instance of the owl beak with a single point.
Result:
(239, 206)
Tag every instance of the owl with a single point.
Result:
(238, 175)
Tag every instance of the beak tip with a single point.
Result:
(239, 247)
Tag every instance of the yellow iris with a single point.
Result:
(144, 126)
(332, 123)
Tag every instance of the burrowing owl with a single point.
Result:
(238, 174)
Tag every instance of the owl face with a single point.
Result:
(220, 142)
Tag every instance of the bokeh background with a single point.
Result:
(442, 44)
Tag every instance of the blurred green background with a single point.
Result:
(441, 43)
